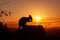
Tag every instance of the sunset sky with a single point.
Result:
(20, 8)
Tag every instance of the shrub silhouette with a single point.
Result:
(4, 32)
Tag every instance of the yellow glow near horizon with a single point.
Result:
(37, 19)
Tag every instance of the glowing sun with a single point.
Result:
(37, 18)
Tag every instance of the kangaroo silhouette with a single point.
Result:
(24, 20)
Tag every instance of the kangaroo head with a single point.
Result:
(30, 18)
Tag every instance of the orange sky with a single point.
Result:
(20, 8)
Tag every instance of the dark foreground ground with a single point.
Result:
(29, 33)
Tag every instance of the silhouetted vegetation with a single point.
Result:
(4, 13)
(4, 32)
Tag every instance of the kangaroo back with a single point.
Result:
(24, 20)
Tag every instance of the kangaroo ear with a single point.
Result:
(29, 15)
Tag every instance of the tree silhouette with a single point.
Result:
(4, 13)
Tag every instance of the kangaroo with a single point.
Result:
(24, 20)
